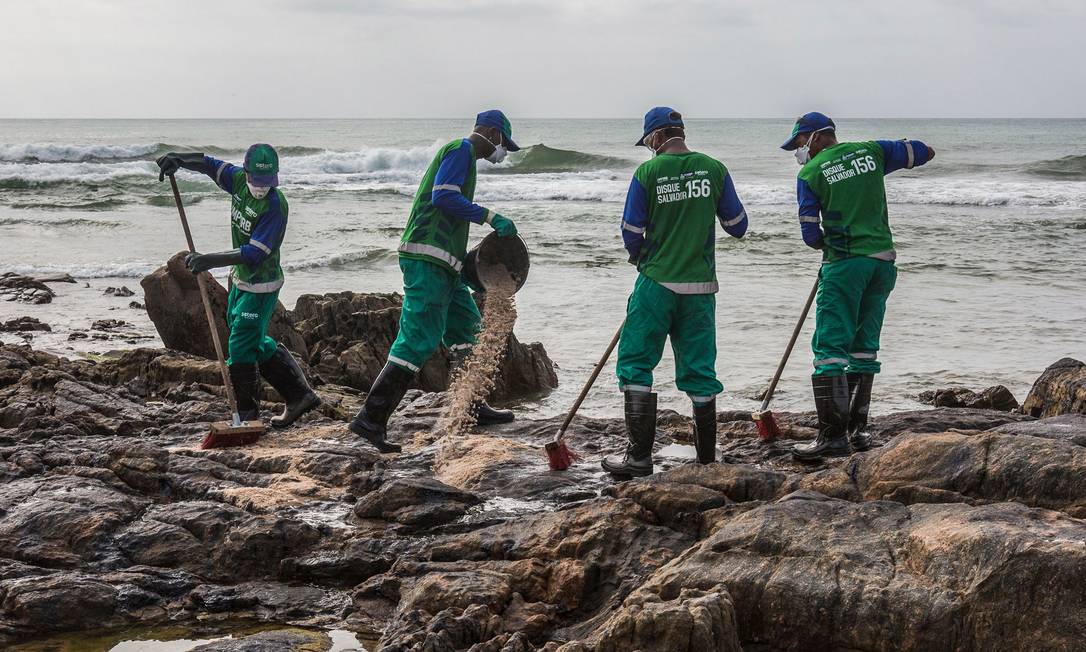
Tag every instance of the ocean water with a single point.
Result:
(991, 237)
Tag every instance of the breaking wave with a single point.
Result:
(1067, 168)
(540, 158)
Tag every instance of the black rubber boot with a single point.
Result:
(286, 376)
(487, 416)
(636, 460)
(859, 386)
(705, 431)
(371, 422)
(245, 377)
(831, 400)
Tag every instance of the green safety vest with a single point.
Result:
(848, 180)
(246, 212)
(684, 191)
(431, 235)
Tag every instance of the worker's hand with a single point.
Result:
(635, 257)
(168, 165)
(503, 225)
(197, 263)
(931, 152)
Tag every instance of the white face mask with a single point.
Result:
(656, 150)
(803, 154)
(258, 192)
(498, 155)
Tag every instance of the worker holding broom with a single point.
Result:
(668, 228)
(842, 212)
(258, 222)
(437, 306)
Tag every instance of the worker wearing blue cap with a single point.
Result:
(438, 307)
(843, 213)
(668, 227)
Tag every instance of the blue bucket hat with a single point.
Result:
(808, 123)
(496, 119)
(658, 117)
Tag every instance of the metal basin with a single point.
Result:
(495, 259)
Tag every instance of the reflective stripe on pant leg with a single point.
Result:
(648, 320)
(693, 340)
(250, 314)
(427, 290)
(840, 288)
(462, 321)
(865, 346)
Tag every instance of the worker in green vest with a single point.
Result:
(438, 307)
(842, 212)
(673, 205)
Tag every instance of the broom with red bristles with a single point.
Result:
(559, 456)
(768, 430)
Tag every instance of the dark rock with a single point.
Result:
(940, 420)
(1061, 389)
(108, 324)
(122, 291)
(813, 573)
(1066, 427)
(692, 621)
(997, 397)
(23, 325)
(415, 501)
(349, 336)
(16, 287)
(279, 640)
(136, 305)
(174, 305)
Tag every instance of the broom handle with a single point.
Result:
(202, 282)
(791, 343)
(588, 385)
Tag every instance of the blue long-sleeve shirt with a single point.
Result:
(447, 195)
(635, 215)
(896, 156)
(271, 225)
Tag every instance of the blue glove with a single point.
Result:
(504, 226)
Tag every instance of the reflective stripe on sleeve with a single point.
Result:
(909, 151)
(446, 186)
(809, 218)
(632, 229)
(260, 245)
(218, 174)
(489, 216)
(736, 220)
(431, 251)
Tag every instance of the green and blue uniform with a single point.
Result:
(843, 212)
(437, 306)
(257, 227)
(669, 229)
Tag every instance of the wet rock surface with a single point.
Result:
(962, 529)
(997, 397)
(24, 289)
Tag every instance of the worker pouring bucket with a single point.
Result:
(495, 260)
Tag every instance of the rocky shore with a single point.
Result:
(963, 530)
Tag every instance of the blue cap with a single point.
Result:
(658, 117)
(807, 123)
(496, 119)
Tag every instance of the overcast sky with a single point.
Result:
(541, 58)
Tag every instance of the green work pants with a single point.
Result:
(437, 309)
(247, 317)
(851, 305)
(654, 313)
